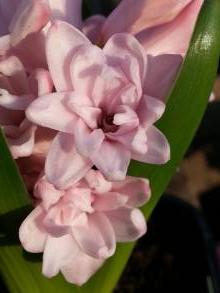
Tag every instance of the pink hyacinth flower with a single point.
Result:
(163, 27)
(17, 91)
(100, 109)
(23, 25)
(77, 228)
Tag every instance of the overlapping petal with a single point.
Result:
(80, 268)
(92, 27)
(136, 189)
(158, 151)
(30, 17)
(56, 254)
(61, 41)
(64, 165)
(21, 139)
(67, 10)
(128, 224)
(122, 48)
(87, 142)
(139, 15)
(161, 74)
(31, 233)
(97, 238)
(173, 37)
(51, 111)
(81, 224)
(112, 160)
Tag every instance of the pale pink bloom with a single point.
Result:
(100, 109)
(23, 24)
(17, 91)
(163, 27)
(77, 228)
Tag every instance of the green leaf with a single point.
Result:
(186, 105)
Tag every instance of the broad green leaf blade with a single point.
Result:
(20, 271)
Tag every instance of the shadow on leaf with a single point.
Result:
(10, 223)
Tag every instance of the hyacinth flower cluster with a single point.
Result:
(78, 101)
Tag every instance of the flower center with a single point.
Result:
(106, 123)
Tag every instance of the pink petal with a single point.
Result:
(173, 37)
(161, 73)
(138, 142)
(93, 77)
(81, 198)
(4, 44)
(87, 142)
(136, 189)
(97, 238)
(123, 48)
(47, 193)
(112, 160)
(97, 182)
(125, 114)
(14, 69)
(5, 83)
(109, 201)
(128, 224)
(40, 82)
(92, 27)
(127, 95)
(64, 165)
(45, 111)
(88, 113)
(67, 10)
(7, 10)
(14, 102)
(108, 80)
(31, 51)
(53, 225)
(141, 14)
(30, 16)
(31, 232)
(86, 64)
(57, 253)
(129, 134)
(132, 138)
(150, 110)
(22, 144)
(158, 151)
(80, 268)
(59, 59)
